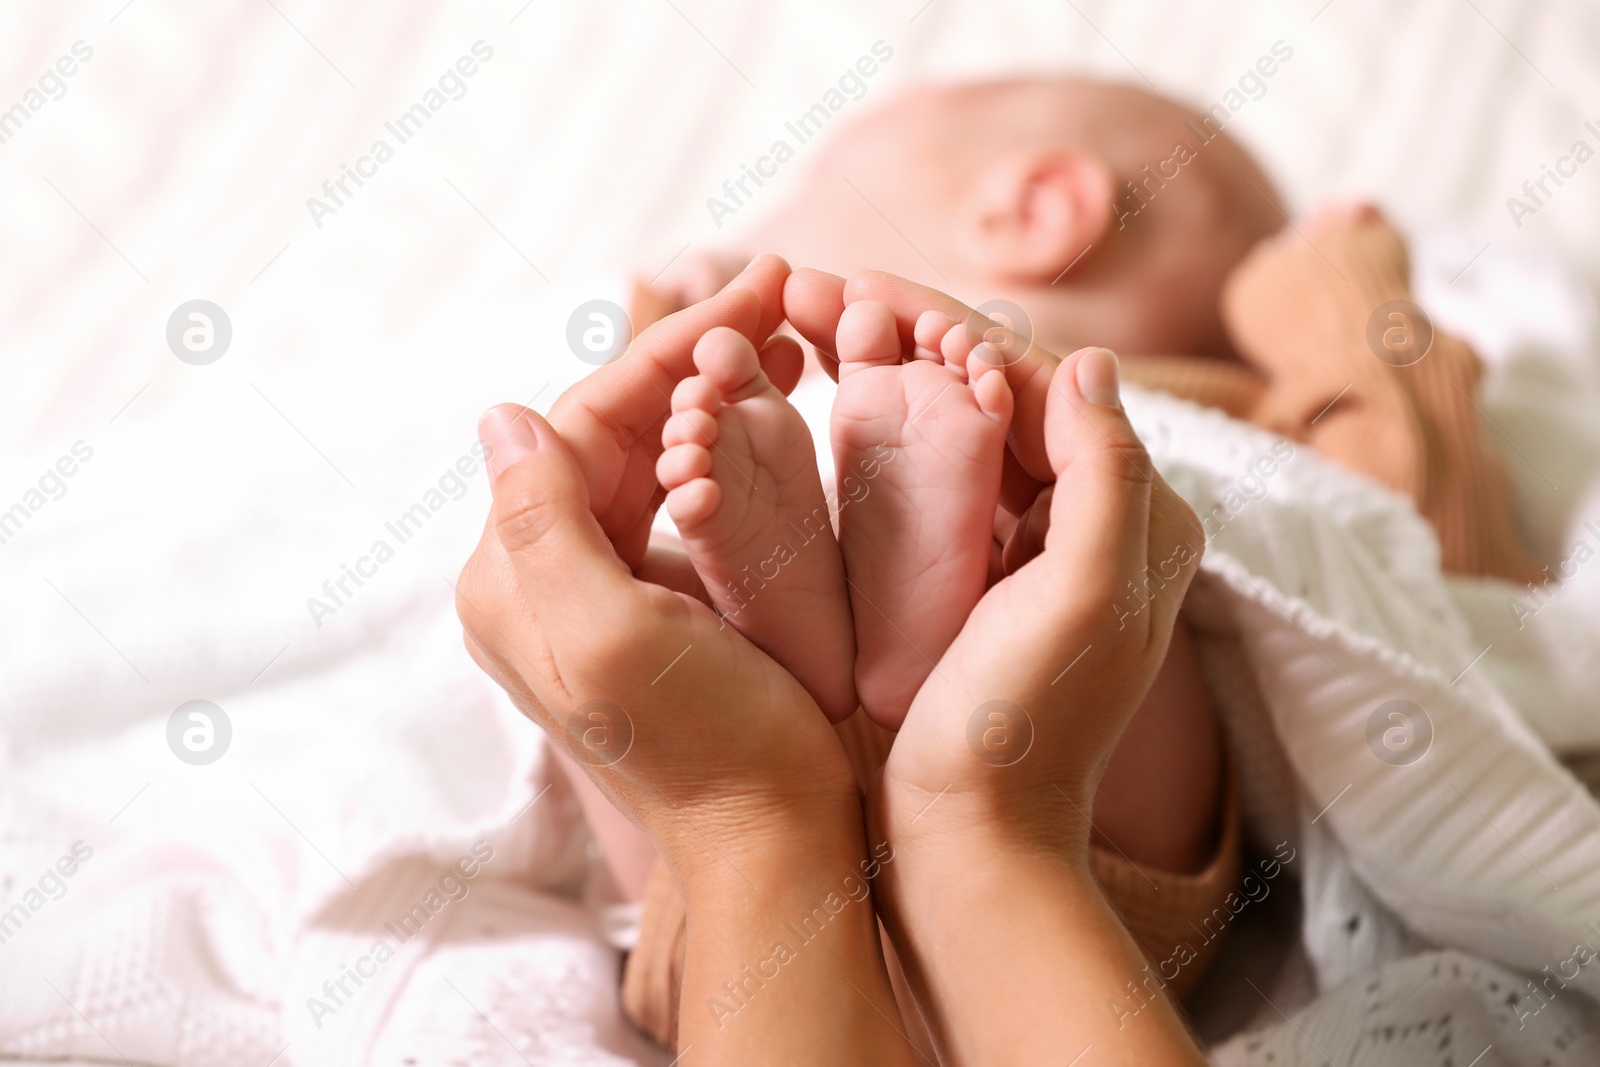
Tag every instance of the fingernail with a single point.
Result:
(507, 439)
(1097, 377)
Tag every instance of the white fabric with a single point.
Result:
(177, 562)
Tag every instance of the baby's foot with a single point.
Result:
(919, 449)
(742, 485)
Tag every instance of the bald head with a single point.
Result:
(995, 189)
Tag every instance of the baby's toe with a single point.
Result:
(929, 334)
(985, 357)
(989, 386)
(956, 346)
(867, 337)
(691, 426)
(681, 464)
(693, 502)
(696, 393)
(729, 361)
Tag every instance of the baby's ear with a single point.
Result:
(1032, 215)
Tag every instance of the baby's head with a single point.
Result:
(1109, 214)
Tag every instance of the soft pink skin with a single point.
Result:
(917, 542)
(1019, 191)
(1162, 789)
(994, 191)
(742, 486)
(776, 789)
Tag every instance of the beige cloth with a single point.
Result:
(1300, 315)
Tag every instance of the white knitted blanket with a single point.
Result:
(1401, 731)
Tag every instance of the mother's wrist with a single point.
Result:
(1037, 825)
(722, 848)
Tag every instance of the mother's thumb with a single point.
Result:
(541, 512)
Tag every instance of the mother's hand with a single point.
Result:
(715, 751)
(988, 788)
(1019, 716)
(613, 418)
(676, 717)
(679, 719)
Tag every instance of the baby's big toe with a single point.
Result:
(726, 358)
(867, 337)
(885, 688)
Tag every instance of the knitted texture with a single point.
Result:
(1301, 312)
(1311, 314)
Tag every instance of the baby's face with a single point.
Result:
(1021, 193)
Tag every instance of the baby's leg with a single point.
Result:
(627, 852)
(742, 485)
(925, 449)
(1161, 796)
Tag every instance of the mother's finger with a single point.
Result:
(1117, 530)
(1027, 537)
(603, 415)
(813, 301)
(562, 563)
